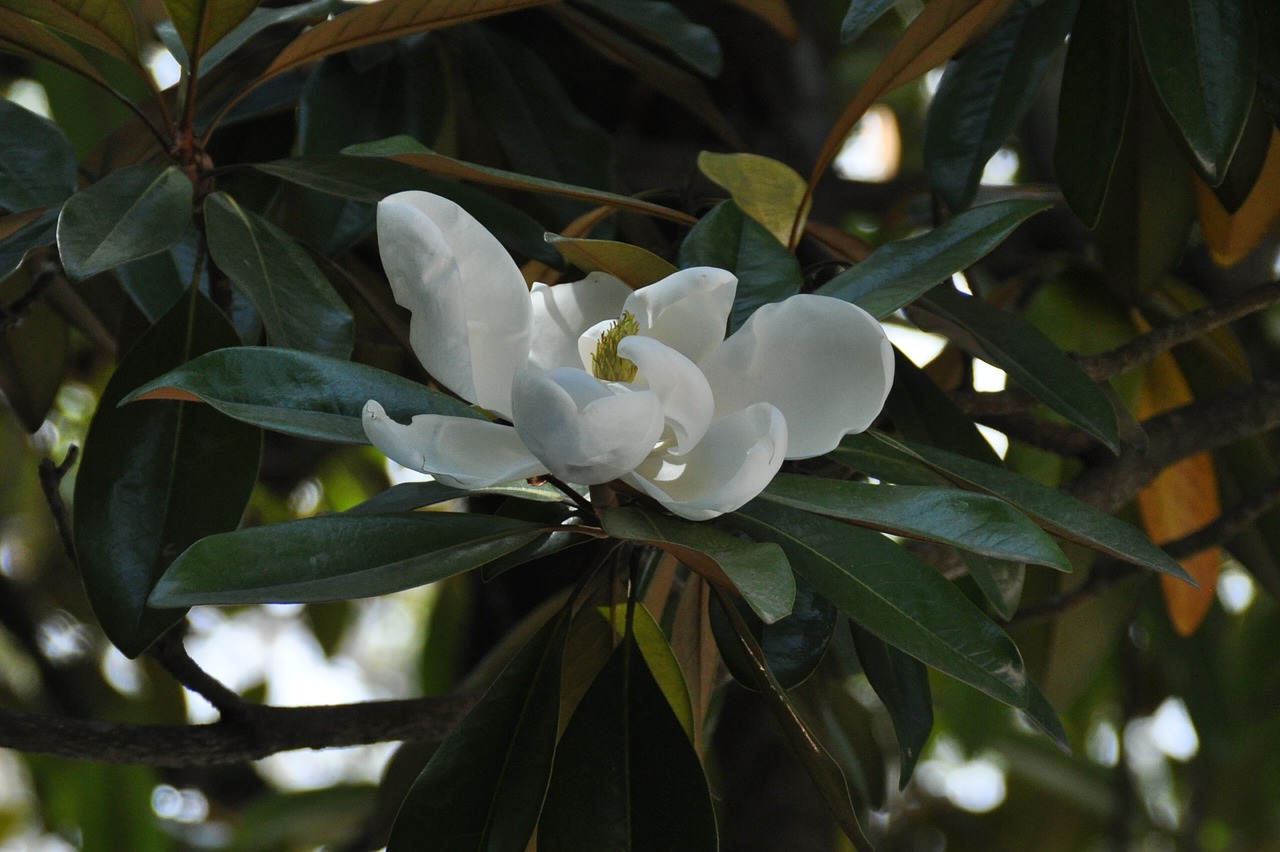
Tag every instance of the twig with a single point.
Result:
(1146, 347)
(272, 730)
(51, 476)
(172, 655)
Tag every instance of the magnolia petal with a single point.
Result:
(732, 463)
(825, 363)
(459, 451)
(470, 306)
(563, 312)
(686, 398)
(688, 310)
(582, 429)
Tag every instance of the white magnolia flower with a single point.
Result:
(602, 382)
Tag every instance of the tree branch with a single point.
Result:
(269, 730)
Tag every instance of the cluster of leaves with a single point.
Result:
(229, 218)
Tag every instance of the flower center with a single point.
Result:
(606, 364)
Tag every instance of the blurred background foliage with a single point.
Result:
(1165, 201)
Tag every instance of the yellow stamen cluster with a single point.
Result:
(606, 364)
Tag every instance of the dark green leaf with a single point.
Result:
(38, 231)
(626, 775)
(132, 213)
(822, 768)
(759, 572)
(905, 602)
(155, 283)
(1000, 581)
(898, 272)
(729, 239)
(298, 393)
(1059, 513)
(156, 478)
(793, 646)
(976, 522)
(985, 93)
(1092, 106)
(261, 18)
(298, 305)
(370, 180)
(530, 115)
(902, 684)
(37, 163)
(860, 16)
(1247, 161)
(664, 24)
(336, 557)
(1202, 57)
(1013, 344)
(483, 788)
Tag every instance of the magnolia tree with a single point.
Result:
(701, 559)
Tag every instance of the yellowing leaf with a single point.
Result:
(633, 265)
(1231, 237)
(1181, 500)
(768, 191)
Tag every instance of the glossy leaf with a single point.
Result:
(822, 768)
(901, 683)
(1009, 342)
(106, 24)
(758, 572)
(905, 602)
(297, 393)
(658, 657)
(984, 95)
(1202, 56)
(135, 212)
(37, 162)
(898, 273)
(665, 25)
(1059, 513)
(258, 20)
(767, 190)
(726, 238)
(408, 496)
(403, 149)
(1092, 106)
(921, 411)
(999, 580)
(297, 303)
(385, 21)
(625, 774)
(202, 23)
(860, 16)
(976, 522)
(633, 265)
(155, 478)
(336, 557)
(484, 786)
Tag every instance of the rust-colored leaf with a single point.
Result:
(1181, 500)
(1232, 237)
(170, 393)
(23, 37)
(106, 24)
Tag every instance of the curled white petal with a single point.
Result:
(732, 463)
(470, 306)
(582, 429)
(686, 398)
(825, 363)
(688, 310)
(563, 312)
(458, 451)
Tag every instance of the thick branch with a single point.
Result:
(1175, 435)
(269, 730)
